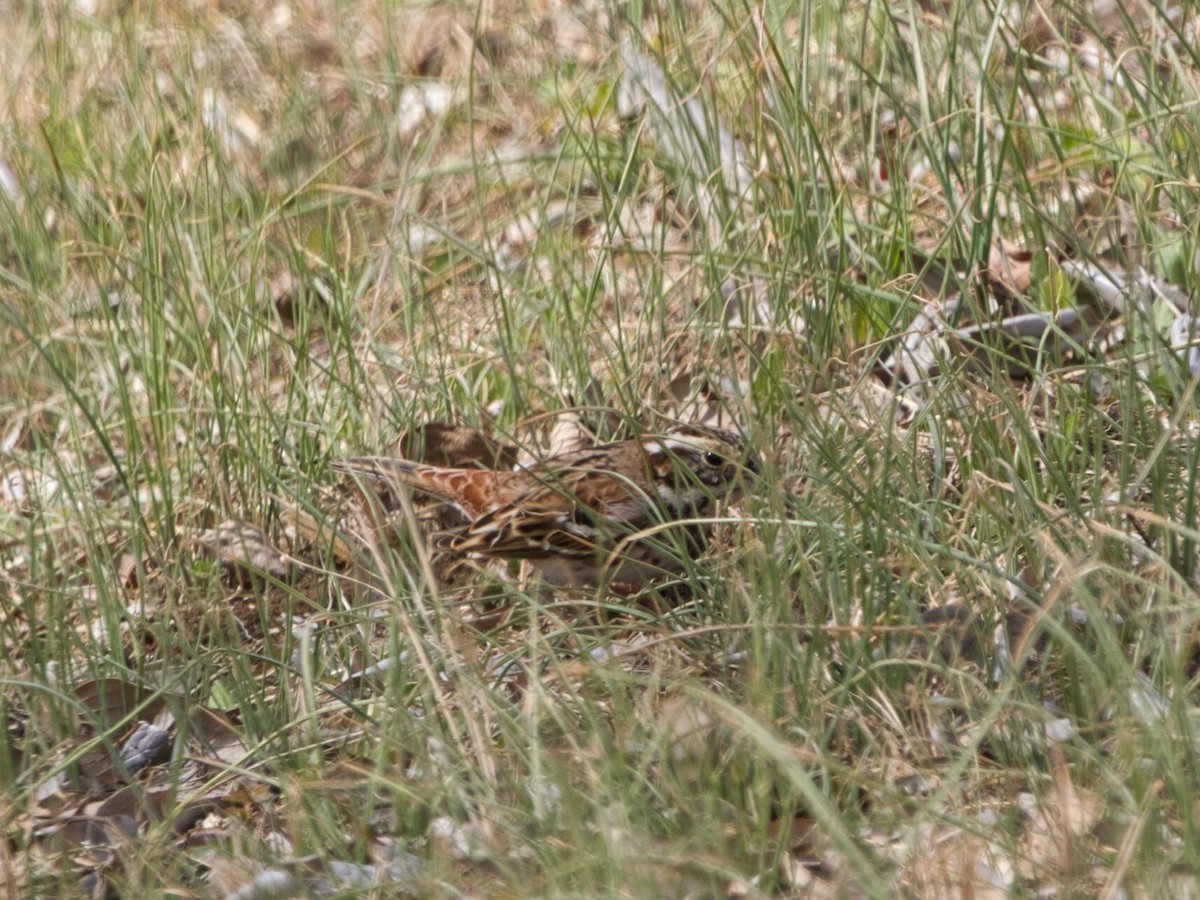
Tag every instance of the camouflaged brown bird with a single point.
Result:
(622, 513)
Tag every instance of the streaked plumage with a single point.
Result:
(590, 516)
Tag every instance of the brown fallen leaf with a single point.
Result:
(1009, 265)
(111, 700)
(244, 549)
(455, 446)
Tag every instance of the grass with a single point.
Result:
(242, 240)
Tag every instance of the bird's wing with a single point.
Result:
(472, 490)
(522, 533)
(569, 514)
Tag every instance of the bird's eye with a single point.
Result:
(713, 458)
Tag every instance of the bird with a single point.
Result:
(621, 514)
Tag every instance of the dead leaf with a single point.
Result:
(112, 700)
(244, 549)
(455, 446)
(1009, 265)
